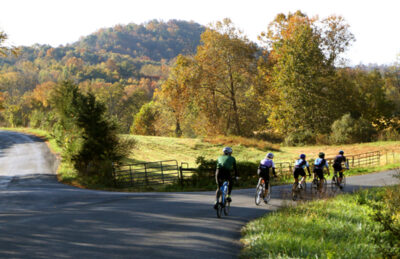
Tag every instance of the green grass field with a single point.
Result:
(151, 148)
(333, 228)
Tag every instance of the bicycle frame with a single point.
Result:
(224, 191)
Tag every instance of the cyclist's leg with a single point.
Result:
(219, 182)
(340, 170)
(230, 180)
(265, 175)
(296, 178)
(303, 176)
(320, 175)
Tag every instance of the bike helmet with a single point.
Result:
(321, 154)
(269, 155)
(341, 152)
(303, 156)
(227, 150)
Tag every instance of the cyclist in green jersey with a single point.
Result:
(225, 164)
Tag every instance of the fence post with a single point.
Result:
(393, 156)
(113, 174)
(145, 174)
(162, 172)
(180, 176)
(130, 174)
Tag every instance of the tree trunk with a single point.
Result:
(234, 105)
(178, 131)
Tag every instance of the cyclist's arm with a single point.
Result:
(273, 169)
(346, 163)
(327, 167)
(235, 169)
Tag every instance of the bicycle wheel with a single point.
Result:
(324, 186)
(295, 191)
(259, 194)
(227, 207)
(314, 187)
(267, 197)
(220, 206)
(343, 181)
(334, 183)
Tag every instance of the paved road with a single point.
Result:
(40, 218)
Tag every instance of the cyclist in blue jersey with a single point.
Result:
(319, 165)
(299, 166)
(225, 164)
(264, 169)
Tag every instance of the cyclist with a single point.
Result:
(225, 164)
(265, 167)
(337, 166)
(299, 166)
(319, 165)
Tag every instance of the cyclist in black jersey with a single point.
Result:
(339, 160)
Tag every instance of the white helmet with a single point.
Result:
(269, 155)
(227, 150)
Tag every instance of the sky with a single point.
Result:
(375, 24)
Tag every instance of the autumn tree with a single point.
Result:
(226, 62)
(302, 56)
(175, 93)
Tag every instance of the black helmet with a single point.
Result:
(341, 152)
(321, 154)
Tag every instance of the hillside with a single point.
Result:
(123, 53)
(155, 40)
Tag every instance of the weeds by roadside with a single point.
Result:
(362, 225)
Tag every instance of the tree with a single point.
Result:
(175, 92)
(88, 137)
(227, 66)
(143, 123)
(300, 71)
(4, 51)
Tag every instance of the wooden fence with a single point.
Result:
(168, 172)
(146, 174)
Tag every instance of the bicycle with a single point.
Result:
(298, 189)
(223, 204)
(316, 187)
(335, 181)
(260, 192)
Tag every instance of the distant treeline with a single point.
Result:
(179, 78)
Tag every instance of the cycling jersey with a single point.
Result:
(299, 166)
(226, 162)
(300, 163)
(267, 163)
(337, 162)
(320, 163)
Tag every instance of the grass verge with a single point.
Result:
(335, 228)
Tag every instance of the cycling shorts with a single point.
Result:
(319, 173)
(298, 171)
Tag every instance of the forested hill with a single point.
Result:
(123, 54)
(155, 40)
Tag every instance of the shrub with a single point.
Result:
(300, 138)
(389, 134)
(206, 171)
(89, 139)
(387, 214)
(144, 120)
(348, 130)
